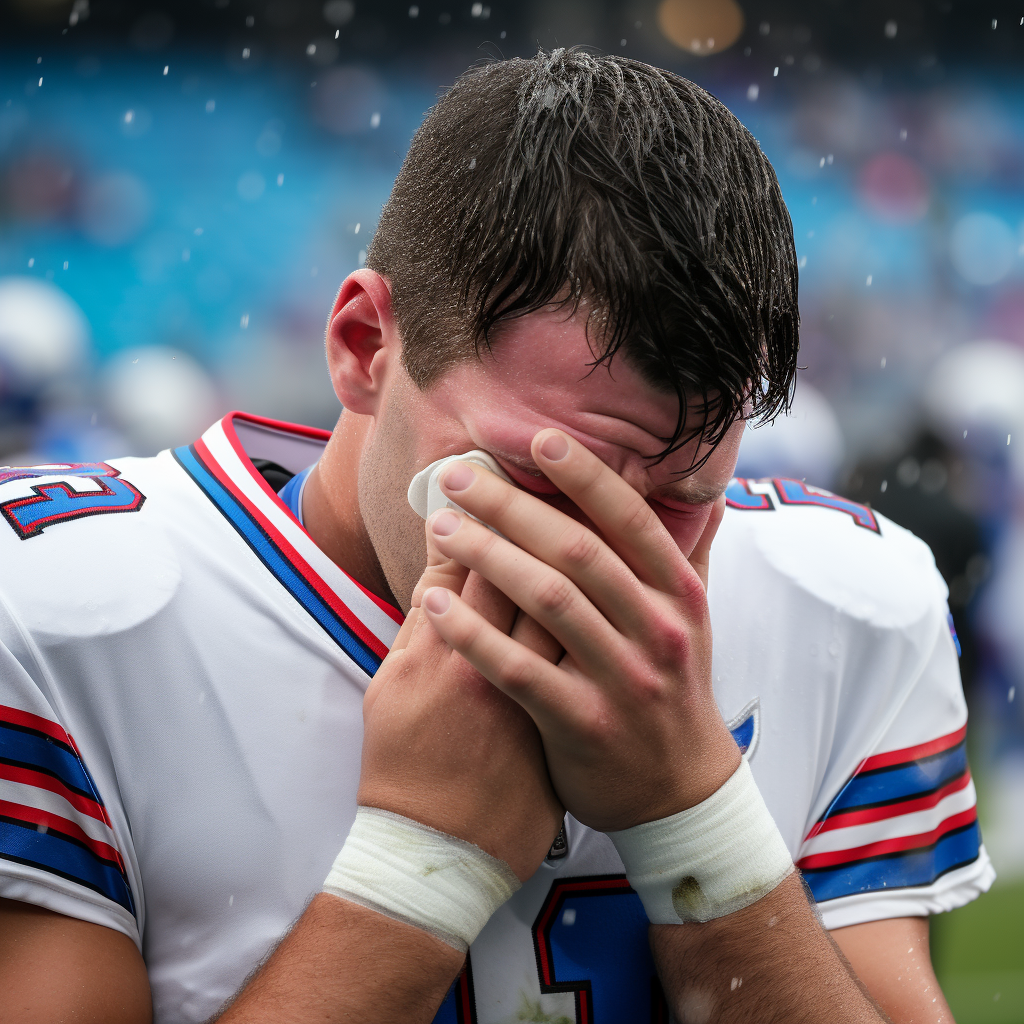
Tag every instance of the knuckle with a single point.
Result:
(637, 518)
(514, 671)
(581, 548)
(671, 639)
(554, 594)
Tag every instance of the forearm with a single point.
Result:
(343, 962)
(771, 962)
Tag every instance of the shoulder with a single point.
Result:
(788, 536)
(84, 546)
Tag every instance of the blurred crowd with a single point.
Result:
(175, 217)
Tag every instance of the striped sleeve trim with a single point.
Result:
(903, 819)
(51, 814)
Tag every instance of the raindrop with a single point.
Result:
(868, 281)
(244, 322)
(245, 53)
(311, 49)
(186, 255)
(167, 67)
(231, 901)
(211, 106)
(414, 11)
(32, 262)
(752, 91)
(775, 73)
(883, 362)
(829, 159)
(472, 163)
(884, 487)
(503, 33)
(764, 28)
(1011, 694)
(92, 420)
(250, 21)
(476, 10)
(622, 42)
(65, 264)
(313, 271)
(39, 60)
(995, 21)
(198, 231)
(362, 257)
(358, 226)
(375, 119)
(40, 81)
(890, 30)
(337, 33)
(129, 116)
(280, 179)
(569, 917)
(803, 262)
(903, 135)
(1007, 438)
(965, 435)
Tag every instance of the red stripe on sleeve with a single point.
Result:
(907, 754)
(40, 780)
(15, 716)
(885, 846)
(55, 823)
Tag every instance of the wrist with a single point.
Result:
(419, 876)
(707, 861)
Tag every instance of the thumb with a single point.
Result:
(440, 571)
(700, 556)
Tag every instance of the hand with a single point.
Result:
(443, 747)
(629, 722)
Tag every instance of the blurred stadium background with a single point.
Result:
(182, 188)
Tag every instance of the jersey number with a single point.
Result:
(57, 501)
(590, 939)
(795, 492)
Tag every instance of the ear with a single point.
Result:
(363, 344)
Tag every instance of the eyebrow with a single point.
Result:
(691, 492)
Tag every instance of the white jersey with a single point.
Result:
(181, 680)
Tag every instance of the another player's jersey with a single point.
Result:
(181, 679)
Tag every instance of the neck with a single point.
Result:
(330, 507)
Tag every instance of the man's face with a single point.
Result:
(536, 376)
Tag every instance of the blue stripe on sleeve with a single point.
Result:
(62, 856)
(35, 751)
(902, 781)
(897, 871)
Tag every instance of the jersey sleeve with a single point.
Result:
(899, 836)
(59, 845)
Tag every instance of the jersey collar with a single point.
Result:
(220, 463)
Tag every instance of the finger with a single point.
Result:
(551, 697)
(700, 556)
(544, 593)
(440, 571)
(622, 515)
(559, 541)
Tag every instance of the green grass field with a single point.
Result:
(978, 953)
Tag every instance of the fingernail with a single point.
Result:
(554, 448)
(458, 477)
(437, 600)
(445, 524)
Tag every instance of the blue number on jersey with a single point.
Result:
(57, 501)
(590, 939)
(795, 492)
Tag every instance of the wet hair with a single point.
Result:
(572, 176)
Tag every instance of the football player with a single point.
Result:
(550, 800)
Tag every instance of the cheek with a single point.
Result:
(685, 530)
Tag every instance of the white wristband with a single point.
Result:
(707, 861)
(415, 874)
